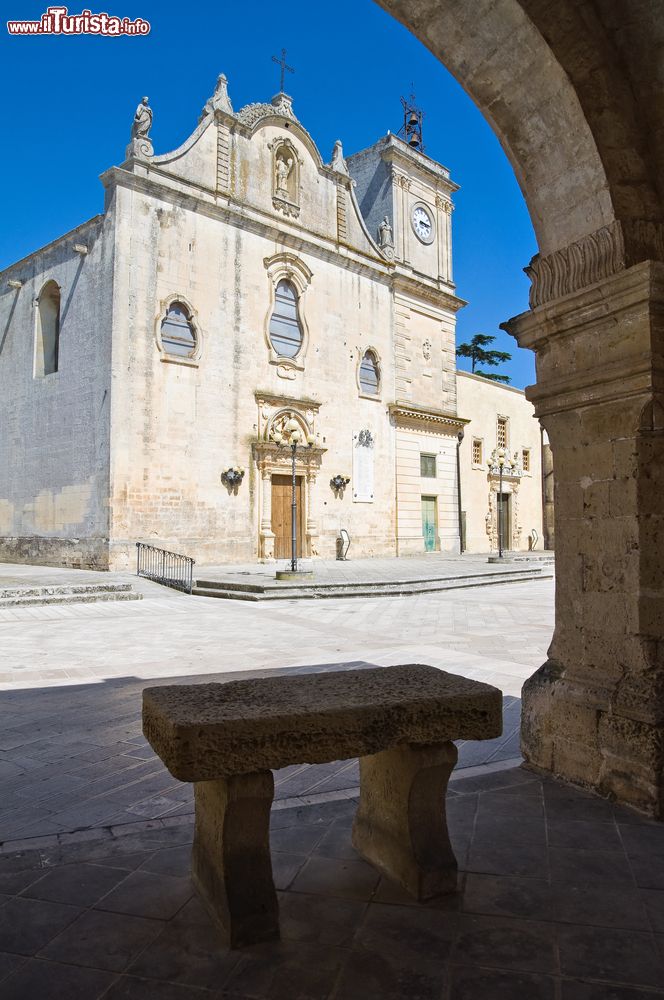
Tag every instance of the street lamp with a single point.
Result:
(292, 436)
(460, 436)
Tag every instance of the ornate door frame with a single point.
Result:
(271, 458)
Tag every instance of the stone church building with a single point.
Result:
(152, 357)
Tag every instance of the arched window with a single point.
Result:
(178, 335)
(369, 374)
(285, 329)
(48, 330)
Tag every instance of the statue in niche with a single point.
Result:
(283, 168)
(385, 237)
(141, 144)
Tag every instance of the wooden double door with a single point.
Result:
(282, 493)
(504, 515)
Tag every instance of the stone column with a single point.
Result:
(594, 713)
(266, 533)
(231, 866)
(312, 523)
(400, 825)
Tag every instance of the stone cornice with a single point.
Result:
(304, 452)
(252, 218)
(597, 344)
(397, 152)
(277, 399)
(426, 290)
(421, 414)
(70, 235)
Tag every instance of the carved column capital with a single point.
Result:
(597, 256)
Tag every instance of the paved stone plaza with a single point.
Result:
(563, 894)
(562, 899)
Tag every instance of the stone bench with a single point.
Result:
(227, 739)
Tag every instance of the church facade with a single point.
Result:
(154, 358)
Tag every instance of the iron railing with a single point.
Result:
(162, 566)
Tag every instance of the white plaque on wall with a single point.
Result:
(363, 467)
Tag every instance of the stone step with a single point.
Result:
(53, 596)
(260, 588)
(63, 588)
(289, 592)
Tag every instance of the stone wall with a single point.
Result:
(54, 445)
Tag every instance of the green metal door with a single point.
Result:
(429, 523)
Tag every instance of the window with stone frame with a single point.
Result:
(502, 433)
(285, 329)
(370, 374)
(477, 451)
(428, 466)
(178, 334)
(525, 459)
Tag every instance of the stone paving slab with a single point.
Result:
(116, 917)
(72, 756)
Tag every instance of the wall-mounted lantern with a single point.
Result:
(232, 477)
(339, 483)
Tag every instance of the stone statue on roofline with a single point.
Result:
(141, 144)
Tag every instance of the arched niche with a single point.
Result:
(47, 339)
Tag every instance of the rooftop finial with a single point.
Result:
(284, 66)
(220, 101)
(338, 161)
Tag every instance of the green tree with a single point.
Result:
(476, 351)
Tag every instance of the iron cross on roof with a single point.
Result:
(282, 62)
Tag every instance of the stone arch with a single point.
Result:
(570, 96)
(575, 93)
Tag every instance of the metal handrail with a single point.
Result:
(168, 568)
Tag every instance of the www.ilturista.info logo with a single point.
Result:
(58, 21)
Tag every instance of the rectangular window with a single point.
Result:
(502, 432)
(428, 466)
(525, 460)
(477, 451)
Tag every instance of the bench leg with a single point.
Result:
(231, 866)
(401, 826)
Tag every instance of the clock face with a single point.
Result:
(422, 224)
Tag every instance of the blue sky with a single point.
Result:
(69, 102)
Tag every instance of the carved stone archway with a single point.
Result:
(274, 412)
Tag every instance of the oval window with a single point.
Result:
(369, 374)
(177, 333)
(285, 330)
